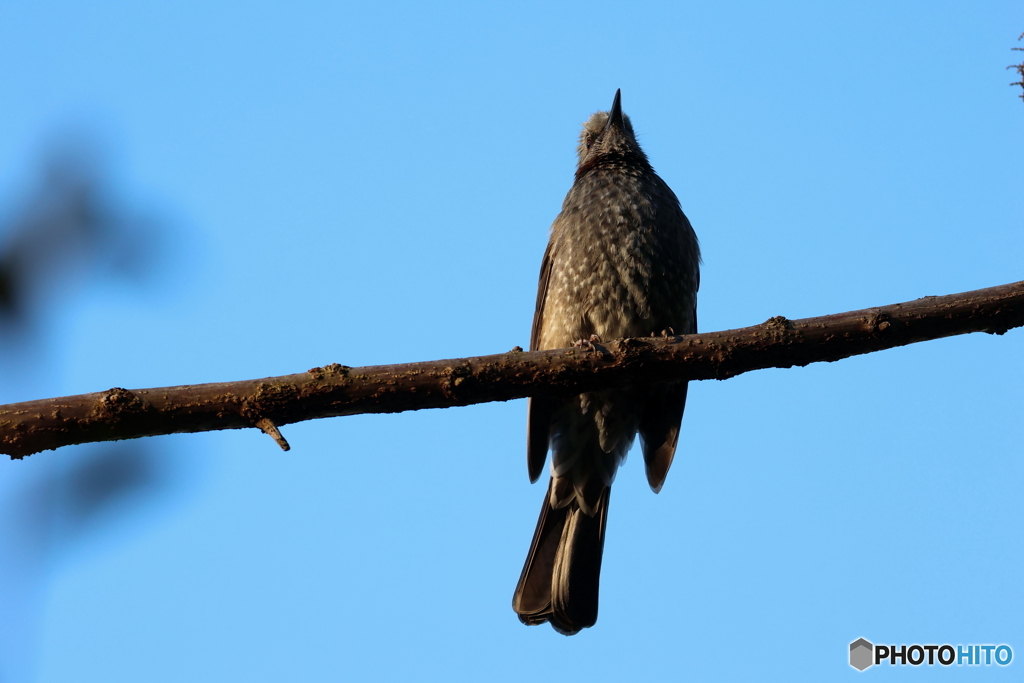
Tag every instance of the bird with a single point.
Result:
(622, 261)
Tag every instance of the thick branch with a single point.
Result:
(34, 426)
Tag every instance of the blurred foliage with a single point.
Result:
(70, 228)
(1019, 68)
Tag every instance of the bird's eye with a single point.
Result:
(588, 141)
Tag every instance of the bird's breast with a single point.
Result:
(618, 261)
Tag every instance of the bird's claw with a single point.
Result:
(587, 344)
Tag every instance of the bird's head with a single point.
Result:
(608, 132)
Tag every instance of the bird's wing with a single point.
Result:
(542, 295)
(659, 424)
(538, 408)
(659, 430)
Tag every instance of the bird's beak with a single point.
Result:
(615, 115)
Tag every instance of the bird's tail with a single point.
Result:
(561, 577)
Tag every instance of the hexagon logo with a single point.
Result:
(861, 654)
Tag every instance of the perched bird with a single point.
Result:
(622, 261)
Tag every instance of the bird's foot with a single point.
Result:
(587, 344)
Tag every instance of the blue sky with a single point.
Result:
(368, 184)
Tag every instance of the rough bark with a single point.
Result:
(334, 390)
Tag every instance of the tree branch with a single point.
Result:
(335, 390)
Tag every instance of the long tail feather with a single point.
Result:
(561, 577)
